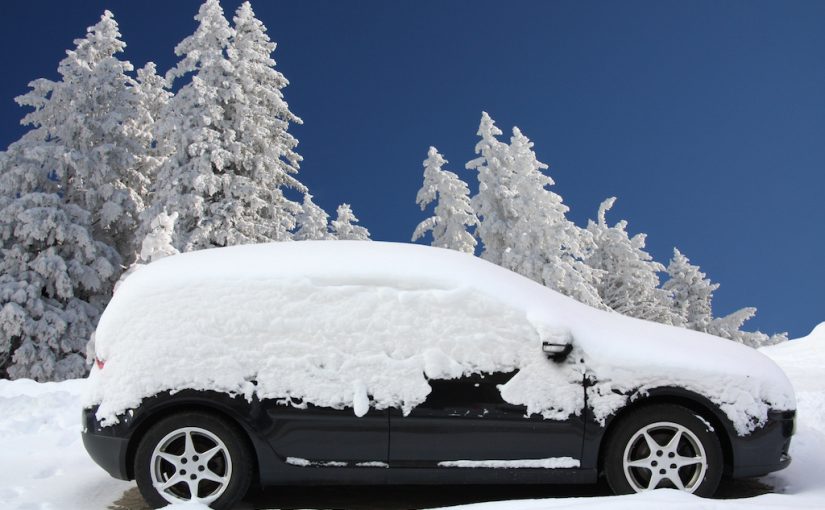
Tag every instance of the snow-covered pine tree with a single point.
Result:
(523, 225)
(691, 291)
(693, 300)
(630, 280)
(96, 115)
(730, 327)
(158, 242)
(544, 244)
(71, 189)
(453, 214)
(228, 127)
(55, 280)
(494, 190)
(313, 222)
(154, 90)
(343, 227)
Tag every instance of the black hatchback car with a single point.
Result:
(448, 406)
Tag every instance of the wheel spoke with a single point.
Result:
(176, 479)
(655, 478)
(687, 461)
(677, 480)
(189, 449)
(193, 489)
(673, 444)
(212, 476)
(208, 454)
(171, 459)
(640, 463)
(651, 443)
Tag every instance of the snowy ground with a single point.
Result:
(43, 464)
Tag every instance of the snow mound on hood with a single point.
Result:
(352, 324)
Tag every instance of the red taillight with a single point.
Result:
(99, 363)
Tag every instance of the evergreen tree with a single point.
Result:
(543, 244)
(494, 190)
(72, 188)
(96, 116)
(54, 282)
(730, 327)
(228, 128)
(153, 89)
(158, 242)
(313, 222)
(523, 225)
(453, 214)
(692, 293)
(344, 228)
(630, 281)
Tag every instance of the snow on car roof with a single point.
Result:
(303, 319)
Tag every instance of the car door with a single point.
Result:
(466, 419)
(322, 436)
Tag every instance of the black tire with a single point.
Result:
(170, 436)
(662, 422)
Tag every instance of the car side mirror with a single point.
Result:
(556, 351)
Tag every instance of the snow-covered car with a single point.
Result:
(369, 363)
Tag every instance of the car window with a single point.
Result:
(470, 391)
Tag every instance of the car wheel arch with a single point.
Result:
(700, 405)
(170, 408)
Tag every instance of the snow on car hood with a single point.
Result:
(357, 324)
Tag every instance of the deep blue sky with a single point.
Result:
(705, 118)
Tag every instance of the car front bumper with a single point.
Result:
(108, 449)
(766, 449)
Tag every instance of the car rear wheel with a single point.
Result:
(193, 456)
(663, 446)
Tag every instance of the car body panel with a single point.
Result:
(322, 435)
(466, 419)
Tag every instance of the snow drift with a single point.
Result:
(354, 324)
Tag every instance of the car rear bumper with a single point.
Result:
(766, 449)
(105, 447)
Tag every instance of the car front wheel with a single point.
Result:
(663, 446)
(193, 456)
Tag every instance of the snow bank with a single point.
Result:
(350, 324)
(43, 463)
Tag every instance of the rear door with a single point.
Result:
(466, 419)
(322, 436)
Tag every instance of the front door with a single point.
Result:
(466, 419)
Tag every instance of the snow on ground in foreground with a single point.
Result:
(43, 464)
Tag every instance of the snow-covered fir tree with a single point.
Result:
(154, 90)
(730, 327)
(523, 225)
(96, 114)
(630, 277)
(344, 226)
(691, 291)
(158, 242)
(544, 244)
(494, 190)
(72, 188)
(693, 301)
(228, 128)
(313, 222)
(453, 214)
(54, 282)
